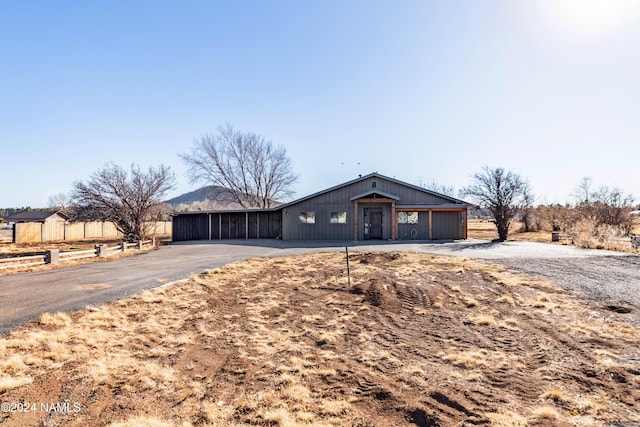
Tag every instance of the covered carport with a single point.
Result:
(222, 225)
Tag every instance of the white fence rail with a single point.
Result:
(54, 256)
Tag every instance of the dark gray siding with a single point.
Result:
(285, 222)
(227, 225)
(190, 227)
(322, 229)
(447, 225)
(339, 200)
(268, 224)
(419, 231)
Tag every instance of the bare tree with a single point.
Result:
(502, 192)
(128, 198)
(605, 205)
(582, 193)
(612, 206)
(447, 190)
(59, 201)
(527, 212)
(254, 171)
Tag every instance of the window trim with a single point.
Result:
(337, 215)
(304, 217)
(403, 217)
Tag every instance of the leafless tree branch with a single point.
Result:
(502, 192)
(254, 172)
(128, 198)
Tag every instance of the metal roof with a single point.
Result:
(454, 202)
(377, 175)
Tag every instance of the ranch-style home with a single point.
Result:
(371, 207)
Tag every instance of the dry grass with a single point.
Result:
(142, 421)
(482, 319)
(582, 234)
(278, 342)
(546, 413)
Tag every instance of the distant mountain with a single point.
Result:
(212, 197)
(211, 193)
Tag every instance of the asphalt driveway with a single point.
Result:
(23, 297)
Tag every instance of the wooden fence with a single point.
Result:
(55, 256)
(37, 232)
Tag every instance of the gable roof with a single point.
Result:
(453, 200)
(34, 216)
(373, 193)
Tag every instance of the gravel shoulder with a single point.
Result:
(611, 280)
(605, 276)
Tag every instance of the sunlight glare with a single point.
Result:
(590, 17)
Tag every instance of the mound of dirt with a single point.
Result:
(416, 340)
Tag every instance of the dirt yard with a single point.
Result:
(415, 340)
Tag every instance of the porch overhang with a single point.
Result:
(376, 197)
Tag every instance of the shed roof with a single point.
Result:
(34, 216)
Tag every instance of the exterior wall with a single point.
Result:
(339, 200)
(191, 227)
(419, 231)
(322, 229)
(227, 225)
(448, 225)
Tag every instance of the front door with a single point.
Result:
(375, 223)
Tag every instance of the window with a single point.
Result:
(407, 217)
(338, 218)
(374, 184)
(307, 217)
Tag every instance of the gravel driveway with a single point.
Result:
(606, 276)
(614, 280)
(601, 275)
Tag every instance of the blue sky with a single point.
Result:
(417, 90)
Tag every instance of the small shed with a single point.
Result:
(38, 226)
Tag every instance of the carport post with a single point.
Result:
(209, 226)
(246, 225)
